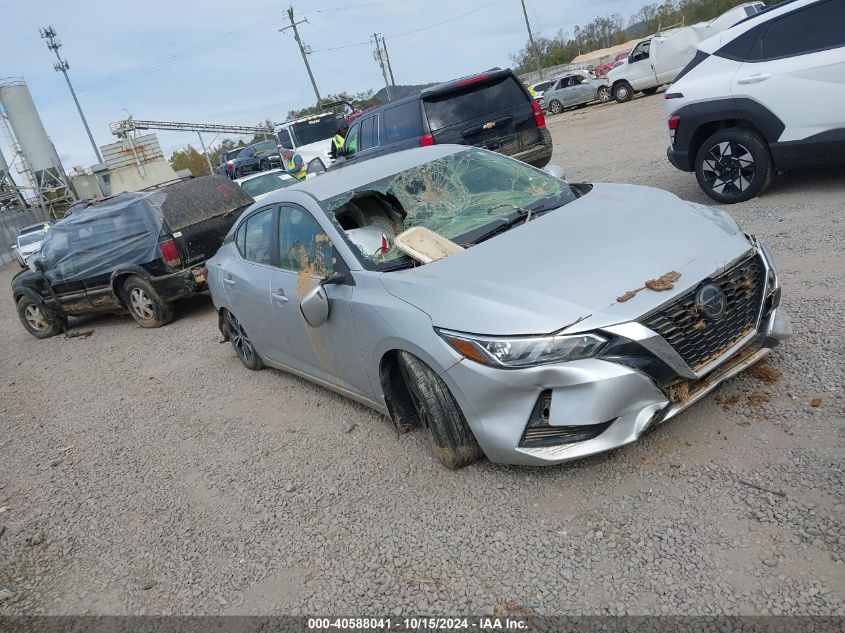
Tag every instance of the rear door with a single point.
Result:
(401, 126)
(490, 111)
(786, 61)
(363, 138)
(248, 277)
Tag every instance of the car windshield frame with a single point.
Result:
(468, 193)
(270, 146)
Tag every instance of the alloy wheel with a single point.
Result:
(604, 94)
(555, 107)
(141, 304)
(35, 318)
(240, 340)
(729, 168)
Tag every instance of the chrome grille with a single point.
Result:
(699, 341)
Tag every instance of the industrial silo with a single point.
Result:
(37, 149)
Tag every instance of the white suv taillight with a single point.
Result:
(673, 126)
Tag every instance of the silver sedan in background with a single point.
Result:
(577, 87)
(510, 313)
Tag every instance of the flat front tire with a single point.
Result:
(36, 321)
(452, 441)
(144, 303)
(734, 165)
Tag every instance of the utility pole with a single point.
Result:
(205, 151)
(387, 57)
(380, 59)
(531, 41)
(293, 24)
(53, 43)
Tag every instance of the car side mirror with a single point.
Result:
(555, 170)
(315, 306)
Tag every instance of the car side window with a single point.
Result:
(257, 240)
(303, 245)
(641, 51)
(369, 133)
(351, 144)
(402, 122)
(816, 27)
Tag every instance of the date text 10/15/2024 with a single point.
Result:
(416, 624)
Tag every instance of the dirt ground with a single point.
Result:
(146, 471)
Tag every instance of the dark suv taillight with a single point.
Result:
(170, 253)
(426, 140)
(538, 114)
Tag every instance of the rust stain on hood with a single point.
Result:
(666, 281)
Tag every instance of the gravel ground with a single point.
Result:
(148, 472)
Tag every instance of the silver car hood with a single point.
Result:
(571, 264)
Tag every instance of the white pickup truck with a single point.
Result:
(310, 136)
(659, 59)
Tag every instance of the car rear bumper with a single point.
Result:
(179, 285)
(679, 159)
(540, 154)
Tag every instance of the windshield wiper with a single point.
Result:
(523, 216)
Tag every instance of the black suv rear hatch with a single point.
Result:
(200, 211)
(492, 110)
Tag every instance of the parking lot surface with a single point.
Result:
(146, 471)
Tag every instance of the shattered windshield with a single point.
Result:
(454, 196)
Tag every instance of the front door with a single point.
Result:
(640, 70)
(330, 352)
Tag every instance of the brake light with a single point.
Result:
(230, 166)
(673, 122)
(538, 114)
(472, 80)
(426, 140)
(170, 253)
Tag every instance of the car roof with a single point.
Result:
(352, 177)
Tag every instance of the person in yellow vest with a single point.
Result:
(532, 92)
(338, 140)
(294, 165)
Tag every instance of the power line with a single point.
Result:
(422, 28)
(359, 6)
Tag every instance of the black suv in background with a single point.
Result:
(256, 157)
(139, 251)
(492, 110)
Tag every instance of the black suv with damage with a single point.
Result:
(492, 110)
(137, 251)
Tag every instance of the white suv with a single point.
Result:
(765, 94)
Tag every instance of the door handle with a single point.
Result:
(229, 281)
(279, 296)
(754, 79)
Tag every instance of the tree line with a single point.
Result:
(610, 30)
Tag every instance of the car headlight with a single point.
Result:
(523, 351)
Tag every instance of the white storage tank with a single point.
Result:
(36, 147)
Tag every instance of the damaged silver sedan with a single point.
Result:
(510, 313)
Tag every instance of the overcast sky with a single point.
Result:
(220, 61)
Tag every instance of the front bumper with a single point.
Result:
(618, 401)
